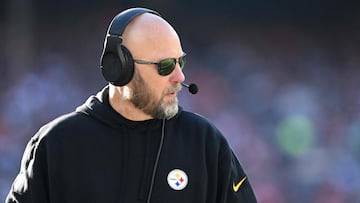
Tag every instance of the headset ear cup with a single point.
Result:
(128, 68)
(110, 66)
(117, 65)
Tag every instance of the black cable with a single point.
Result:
(157, 160)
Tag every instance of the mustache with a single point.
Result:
(174, 89)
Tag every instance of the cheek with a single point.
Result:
(154, 83)
(158, 93)
(154, 90)
(157, 86)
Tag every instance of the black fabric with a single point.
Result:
(95, 155)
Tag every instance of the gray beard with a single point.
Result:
(143, 99)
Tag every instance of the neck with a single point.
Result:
(119, 101)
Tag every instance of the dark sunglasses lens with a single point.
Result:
(166, 66)
(182, 62)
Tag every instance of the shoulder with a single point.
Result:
(63, 124)
(192, 117)
(195, 120)
(197, 125)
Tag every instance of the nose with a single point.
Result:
(177, 75)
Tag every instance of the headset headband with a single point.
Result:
(120, 21)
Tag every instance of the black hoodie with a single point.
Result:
(95, 155)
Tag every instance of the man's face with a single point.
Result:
(151, 38)
(146, 99)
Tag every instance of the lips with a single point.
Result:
(172, 94)
(173, 90)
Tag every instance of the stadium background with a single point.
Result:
(280, 78)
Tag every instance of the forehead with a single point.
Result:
(152, 37)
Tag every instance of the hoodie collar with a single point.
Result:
(98, 107)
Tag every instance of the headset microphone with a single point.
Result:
(193, 89)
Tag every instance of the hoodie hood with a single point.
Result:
(98, 107)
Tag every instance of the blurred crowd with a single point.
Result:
(287, 97)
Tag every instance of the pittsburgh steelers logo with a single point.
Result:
(177, 179)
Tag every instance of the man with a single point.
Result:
(132, 142)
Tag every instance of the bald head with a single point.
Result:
(148, 94)
(149, 36)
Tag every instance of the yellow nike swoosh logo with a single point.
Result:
(237, 186)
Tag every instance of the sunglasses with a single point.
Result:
(166, 66)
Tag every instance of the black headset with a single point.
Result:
(117, 64)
